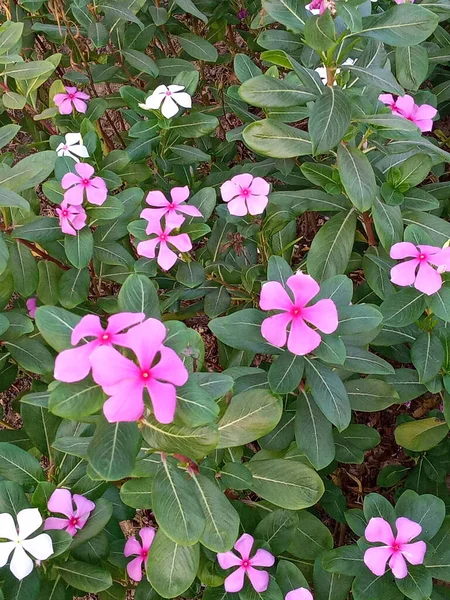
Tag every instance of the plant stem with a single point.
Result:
(43, 254)
(367, 220)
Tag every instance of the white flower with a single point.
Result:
(322, 72)
(168, 99)
(40, 547)
(73, 147)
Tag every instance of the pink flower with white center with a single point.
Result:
(418, 270)
(71, 218)
(31, 305)
(397, 547)
(245, 194)
(405, 107)
(70, 100)
(302, 338)
(170, 210)
(317, 7)
(76, 185)
(166, 257)
(74, 364)
(299, 594)
(125, 381)
(246, 565)
(134, 548)
(61, 502)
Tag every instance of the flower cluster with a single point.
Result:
(404, 106)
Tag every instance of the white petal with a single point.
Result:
(176, 88)
(7, 527)
(161, 89)
(183, 99)
(169, 108)
(73, 138)
(5, 550)
(41, 547)
(322, 72)
(21, 564)
(80, 150)
(153, 102)
(60, 149)
(29, 520)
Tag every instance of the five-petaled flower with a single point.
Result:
(404, 106)
(302, 339)
(317, 7)
(245, 194)
(71, 218)
(134, 548)
(418, 271)
(73, 146)
(125, 382)
(77, 184)
(74, 364)
(172, 210)
(70, 100)
(61, 502)
(40, 547)
(299, 594)
(397, 547)
(246, 565)
(166, 257)
(168, 99)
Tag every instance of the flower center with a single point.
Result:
(144, 554)
(146, 375)
(65, 147)
(396, 547)
(168, 93)
(71, 96)
(171, 206)
(245, 192)
(295, 311)
(73, 521)
(162, 237)
(422, 257)
(65, 213)
(105, 337)
(246, 564)
(85, 181)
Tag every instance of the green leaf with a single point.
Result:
(268, 92)
(411, 172)
(329, 120)
(10, 34)
(19, 466)
(198, 47)
(98, 33)
(74, 287)
(439, 303)
(138, 294)
(96, 523)
(25, 71)
(31, 355)
(427, 355)
(137, 493)
(41, 229)
(76, 400)
(141, 62)
(437, 228)
(362, 361)
(195, 442)
(417, 585)
(285, 373)
(421, 435)
(388, 223)
(357, 177)
(245, 68)
(311, 537)
(24, 269)
(313, 433)
(113, 449)
(194, 125)
(84, 576)
(79, 248)
(290, 13)
(368, 586)
(56, 325)
(286, 483)
(10, 199)
(277, 529)
(425, 509)
(347, 560)
(403, 308)
(242, 330)
(369, 395)
(381, 79)
(330, 585)
(195, 405)
(30, 171)
(358, 318)
(411, 66)
(49, 276)
(319, 32)
(277, 140)
(40, 425)
(8, 133)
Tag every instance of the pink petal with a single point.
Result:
(431, 250)
(66, 227)
(132, 547)
(256, 204)
(166, 257)
(157, 198)
(89, 326)
(68, 180)
(75, 195)
(274, 297)
(84, 170)
(386, 99)
(238, 207)
(304, 288)
(407, 530)
(322, 315)
(273, 329)
(82, 95)
(229, 190)
(109, 367)
(164, 400)
(428, 280)
(84, 506)
(123, 320)
(147, 535)
(442, 257)
(179, 194)
(243, 181)
(147, 248)
(80, 105)
(424, 125)
(59, 98)
(259, 187)
(405, 105)
(134, 568)
(425, 111)
(182, 242)
(126, 404)
(74, 364)
(153, 216)
(244, 545)
(259, 579)
(379, 530)
(170, 367)
(235, 581)
(398, 565)
(61, 502)
(79, 221)
(71, 89)
(299, 594)
(96, 195)
(56, 523)
(375, 559)
(145, 340)
(228, 559)
(65, 108)
(190, 210)
(414, 553)
(404, 273)
(173, 219)
(404, 250)
(302, 339)
(262, 558)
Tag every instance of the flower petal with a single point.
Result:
(228, 559)
(414, 553)
(182, 242)
(66, 106)
(322, 315)
(259, 579)
(157, 198)
(299, 594)
(302, 339)
(145, 340)
(407, 530)
(398, 565)
(262, 558)
(127, 404)
(244, 545)
(375, 559)
(134, 568)
(80, 105)
(379, 530)
(229, 190)
(164, 400)
(21, 564)
(89, 325)
(29, 520)
(74, 364)
(7, 527)
(259, 187)
(56, 523)
(69, 179)
(169, 108)
(84, 505)
(235, 581)
(190, 210)
(405, 273)
(41, 546)
(173, 219)
(425, 111)
(274, 329)
(238, 207)
(405, 105)
(132, 546)
(123, 320)
(109, 367)
(166, 257)
(183, 99)
(5, 550)
(96, 195)
(61, 502)
(74, 195)
(170, 367)
(387, 99)
(257, 204)
(304, 288)
(147, 535)
(274, 297)
(403, 250)
(243, 180)
(179, 194)
(428, 280)
(147, 248)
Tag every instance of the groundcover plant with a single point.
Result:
(225, 299)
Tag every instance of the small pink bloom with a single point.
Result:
(61, 501)
(70, 100)
(31, 305)
(302, 338)
(390, 101)
(170, 210)
(134, 548)
(74, 364)
(71, 218)
(245, 564)
(404, 106)
(317, 6)
(245, 194)
(299, 594)
(397, 547)
(125, 381)
(76, 185)
(418, 271)
(166, 257)
(403, 1)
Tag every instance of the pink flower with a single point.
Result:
(403, 1)
(302, 338)
(96, 190)
(317, 6)
(125, 381)
(246, 194)
(169, 210)
(134, 548)
(404, 106)
(418, 271)
(31, 305)
(397, 547)
(74, 364)
(299, 594)
(61, 501)
(166, 257)
(245, 564)
(70, 100)
(71, 218)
